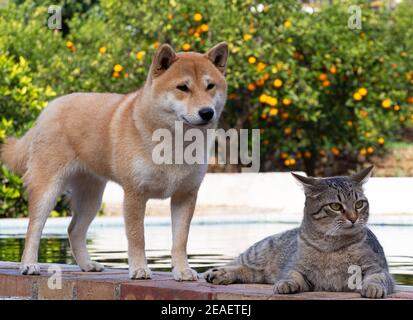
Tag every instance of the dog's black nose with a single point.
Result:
(206, 114)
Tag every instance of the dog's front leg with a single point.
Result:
(134, 212)
(182, 208)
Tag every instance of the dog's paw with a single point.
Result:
(140, 273)
(373, 291)
(30, 269)
(92, 266)
(286, 287)
(218, 276)
(186, 274)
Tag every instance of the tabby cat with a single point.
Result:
(332, 242)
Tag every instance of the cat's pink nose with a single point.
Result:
(352, 217)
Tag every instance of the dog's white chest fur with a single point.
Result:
(162, 181)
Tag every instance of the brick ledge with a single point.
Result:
(114, 284)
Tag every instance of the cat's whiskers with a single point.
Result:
(334, 230)
(361, 221)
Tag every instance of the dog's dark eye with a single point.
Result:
(183, 88)
(336, 206)
(359, 204)
(210, 86)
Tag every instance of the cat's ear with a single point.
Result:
(307, 182)
(362, 176)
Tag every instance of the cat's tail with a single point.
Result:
(15, 153)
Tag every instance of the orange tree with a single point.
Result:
(318, 91)
(20, 104)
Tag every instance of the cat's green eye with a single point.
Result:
(359, 204)
(336, 206)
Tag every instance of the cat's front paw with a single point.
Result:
(218, 276)
(373, 291)
(286, 287)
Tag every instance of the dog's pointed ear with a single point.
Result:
(362, 176)
(218, 55)
(164, 57)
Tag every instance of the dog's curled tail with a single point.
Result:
(15, 153)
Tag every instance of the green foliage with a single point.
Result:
(340, 94)
(20, 103)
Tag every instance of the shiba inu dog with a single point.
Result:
(82, 140)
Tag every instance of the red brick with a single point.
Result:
(65, 293)
(402, 295)
(95, 290)
(163, 290)
(15, 286)
(115, 284)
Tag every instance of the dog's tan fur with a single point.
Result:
(82, 140)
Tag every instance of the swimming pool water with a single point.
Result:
(209, 245)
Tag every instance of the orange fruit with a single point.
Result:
(263, 98)
(287, 131)
(197, 17)
(140, 55)
(272, 101)
(186, 47)
(326, 83)
(287, 24)
(118, 68)
(386, 103)
(363, 91)
(277, 83)
(260, 82)
(251, 87)
(247, 37)
(273, 111)
(204, 27)
(335, 151)
(286, 101)
(261, 66)
(357, 96)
